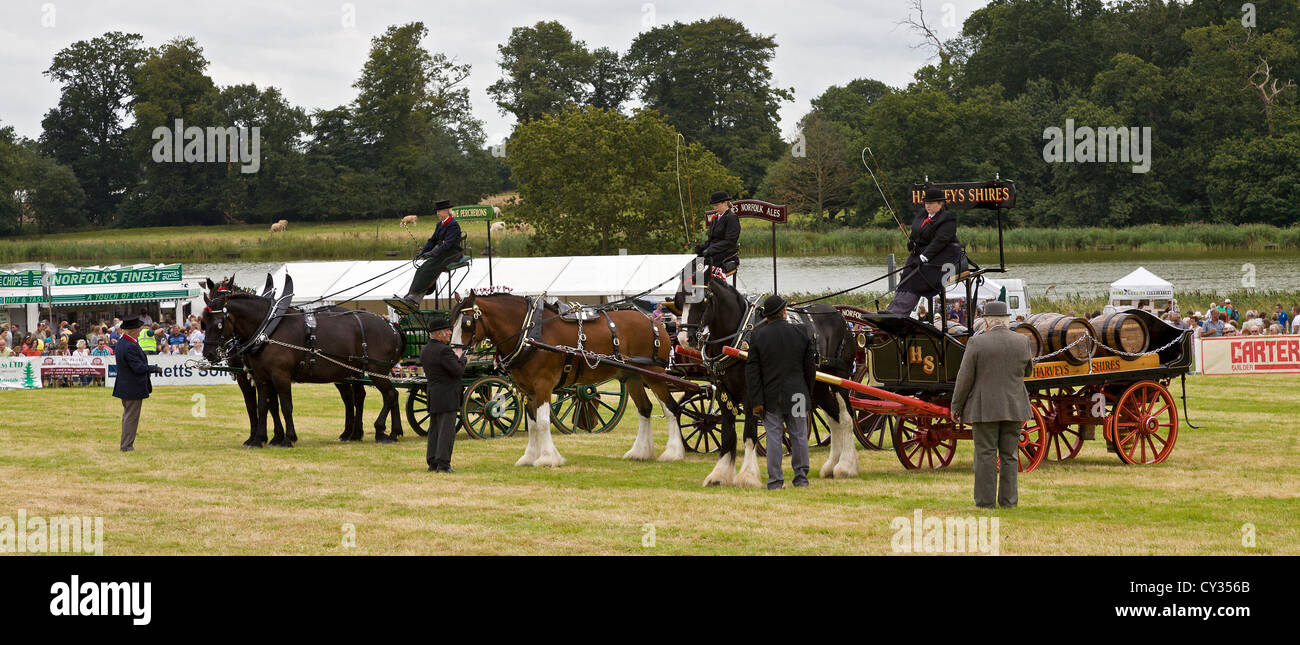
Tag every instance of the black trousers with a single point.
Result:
(442, 438)
(428, 273)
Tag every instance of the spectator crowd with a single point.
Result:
(99, 339)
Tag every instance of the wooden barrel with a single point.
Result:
(1123, 331)
(1059, 330)
(1024, 329)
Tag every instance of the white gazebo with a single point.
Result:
(1140, 285)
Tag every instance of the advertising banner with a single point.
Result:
(1249, 355)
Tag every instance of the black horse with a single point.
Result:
(347, 342)
(218, 334)
(714, 322)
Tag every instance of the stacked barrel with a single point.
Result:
(1024, 329)
(1121, 330)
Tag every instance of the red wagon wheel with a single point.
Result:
(1144, 424)
(1063, 442)
(871, 428)
(924, 442)
(1033, 442)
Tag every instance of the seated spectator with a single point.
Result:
(1230, 330)
(196, 335)
(5, 352)
(102, 348)
(1295, 319)
(1275, 329)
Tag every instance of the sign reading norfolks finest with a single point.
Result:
(999, 193)
(1249, 355)
(760, 210)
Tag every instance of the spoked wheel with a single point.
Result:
(491, 408)
(589, 408)
(1063, 441)
(1033, 442)
(699, 418)
(417, 410)
(924, 442)
(871, 429)
(1144, 424)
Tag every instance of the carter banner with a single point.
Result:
(1249, 355)
(999, 193)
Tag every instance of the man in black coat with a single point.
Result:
(443, 367)
(132, 385)
(722, 249)
(932, 245)
(442, 250)
(779, 376)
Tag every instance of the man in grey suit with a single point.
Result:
(779, 376)
(990, 395)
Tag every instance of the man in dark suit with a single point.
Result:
(990, 395)
(443, 367)
(722, 249)
(932, 244)
(442, 249)
(779, 376)
(133, 385)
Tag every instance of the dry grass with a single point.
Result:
(190, 489)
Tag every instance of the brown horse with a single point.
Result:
(502, 319)
(346, 342)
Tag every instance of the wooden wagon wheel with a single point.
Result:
(417, 410)
(1033, 442)
(491, 408)
(1063, 442)
(924, 442)
(699, 418)
(1144, 423)
(819, 434)
(590, 408)
(871, 428)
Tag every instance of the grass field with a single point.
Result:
(191, 489)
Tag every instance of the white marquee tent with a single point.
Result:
(1140, 285)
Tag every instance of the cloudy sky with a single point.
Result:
(314, 50)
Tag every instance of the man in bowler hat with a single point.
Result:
(990, 395)
(441, 251)
(133, 385)
(443, 367)
(722, 248)
(779, 378)
(932, 244)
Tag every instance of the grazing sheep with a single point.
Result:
(280, 226)
(497, 227)
(410, 220)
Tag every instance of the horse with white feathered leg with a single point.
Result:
(721, 316)
(517, 327)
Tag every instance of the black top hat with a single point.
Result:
(131, 323)
(719, 196)
(439, 323)
(441, 204)
(934, 195)
(771, 306)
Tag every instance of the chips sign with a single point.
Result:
(999, 193)
(480, 213)
(758, 209)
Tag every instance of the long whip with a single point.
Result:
(883, 195)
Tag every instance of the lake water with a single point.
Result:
(1086, 274)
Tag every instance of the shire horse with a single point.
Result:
(345, 340)
(217, 336)
(715, 321)
(507, 320)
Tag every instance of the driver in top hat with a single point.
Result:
(722, 249)
(932, 247)
(440, 252)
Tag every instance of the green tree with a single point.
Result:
(817, 175)
(582, 192)
(85, 130)
(11, 170)
(712, 81)
(54, 195)
(545, 69)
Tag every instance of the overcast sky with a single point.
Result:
(313, 54)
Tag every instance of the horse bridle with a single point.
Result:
(471, 315)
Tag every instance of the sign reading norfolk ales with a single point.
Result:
(758, 209)
(998, 193)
